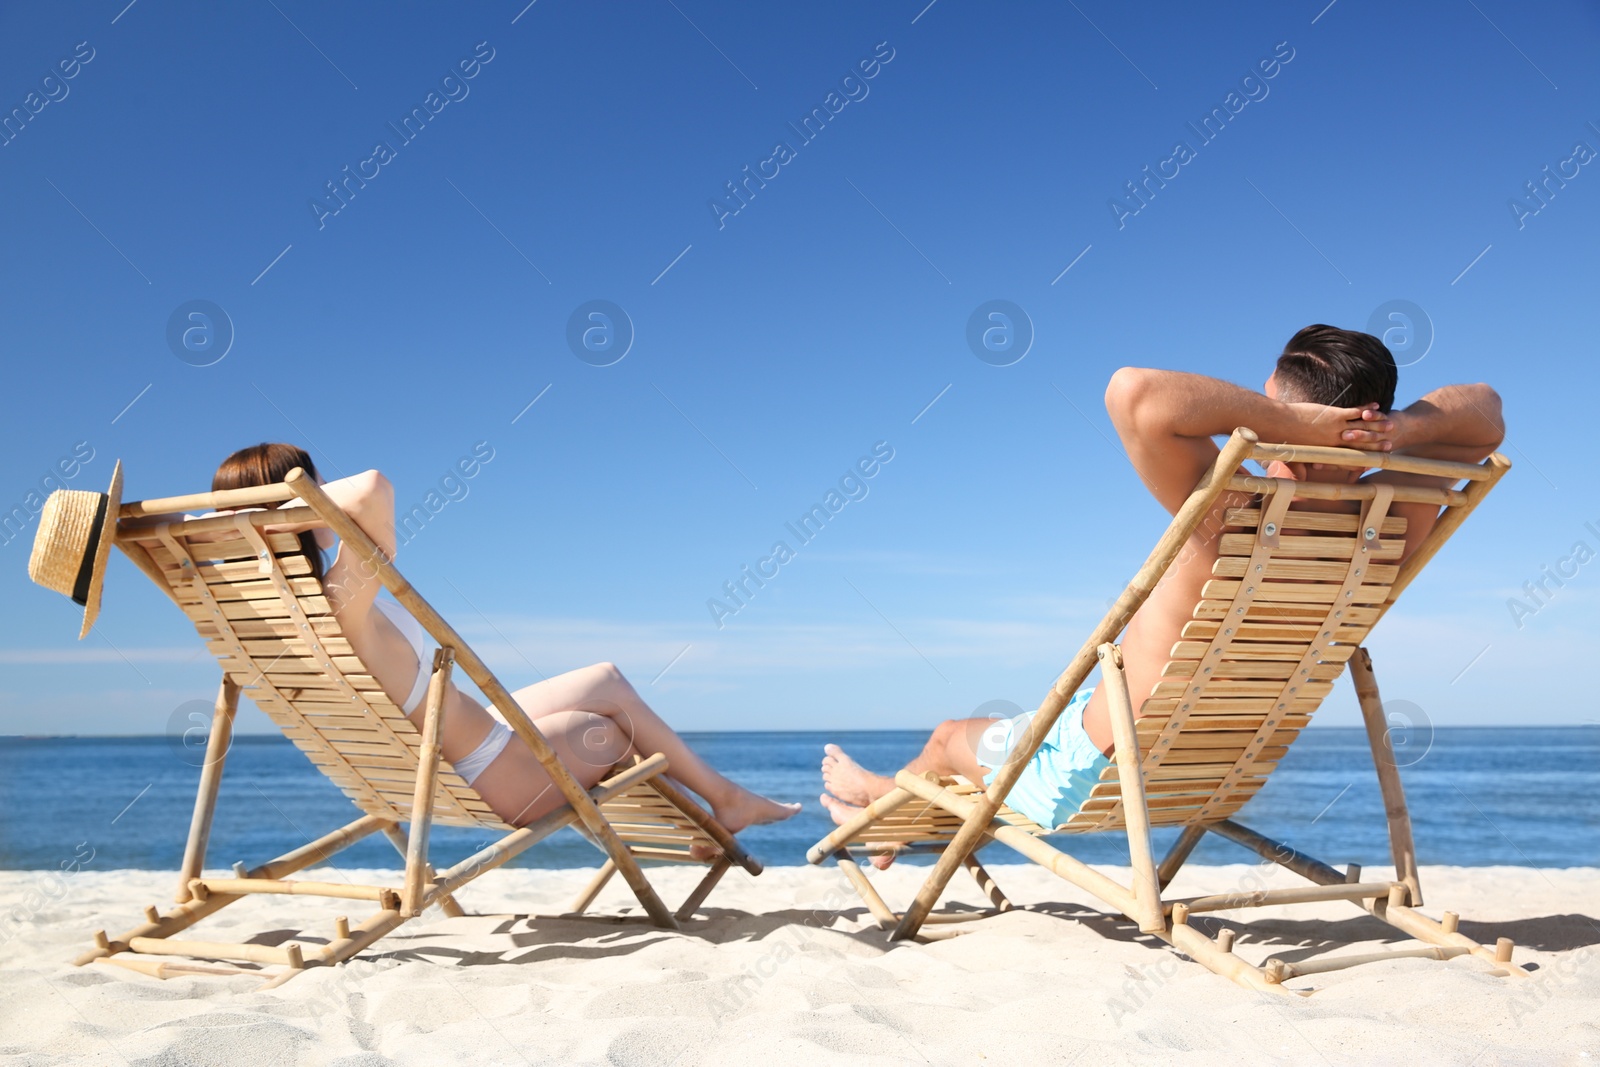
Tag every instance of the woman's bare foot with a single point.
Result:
(745, 808)
(850, 782)
(843, 813)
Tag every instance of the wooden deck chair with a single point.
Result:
(253, 598)
(1294, 593)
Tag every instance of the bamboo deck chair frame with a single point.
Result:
(252, 596)
(1207, 740)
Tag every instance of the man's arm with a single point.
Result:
(1166, 420)
(1458, 422)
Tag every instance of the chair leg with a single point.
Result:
(986, 882)
(447, 904)
(1130, 779)
(633, 874)
(205, 801)
(1178, 855)
(192, 911)
(1394, 795)
(154, 937)
(869, 894)
(416, 884)
(402, 844)
(1392, 911)
(592, 890)
(719, 867)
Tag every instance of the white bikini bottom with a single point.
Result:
(474, 764)
(471, 766)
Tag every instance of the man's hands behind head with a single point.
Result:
(1365, 428)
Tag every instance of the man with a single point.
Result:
(1330, 387)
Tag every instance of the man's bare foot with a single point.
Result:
(751, 809)
(850, 782)
(843, 813)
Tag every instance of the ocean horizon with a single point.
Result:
(1479, 796)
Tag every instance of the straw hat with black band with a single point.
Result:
(76, 529)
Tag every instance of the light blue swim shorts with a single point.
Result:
(1059, 777)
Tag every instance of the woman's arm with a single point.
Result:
(367, 498)
(350, 582)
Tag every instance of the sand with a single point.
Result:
(773, 974)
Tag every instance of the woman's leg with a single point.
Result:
(618, 715)
(515, 784)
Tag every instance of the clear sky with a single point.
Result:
(419, 313)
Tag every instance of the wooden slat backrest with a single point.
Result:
(1294, 592)
(254, 600)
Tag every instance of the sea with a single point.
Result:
(1479, 796)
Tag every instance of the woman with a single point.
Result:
(592, 717)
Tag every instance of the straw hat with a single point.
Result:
(70, 550)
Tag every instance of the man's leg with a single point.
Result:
(952, 749)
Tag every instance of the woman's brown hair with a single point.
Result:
(267, 464)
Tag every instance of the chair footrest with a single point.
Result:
(1279, 971)
(173, 968)
(1264, 898)
(288, 955)
(292, 887)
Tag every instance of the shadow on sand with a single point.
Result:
(532, 938)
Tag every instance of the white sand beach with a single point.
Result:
(771, 974)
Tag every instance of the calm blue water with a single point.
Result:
(1478, 796)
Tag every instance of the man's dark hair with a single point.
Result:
(1340, 368)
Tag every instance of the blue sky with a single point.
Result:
(776, 346)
